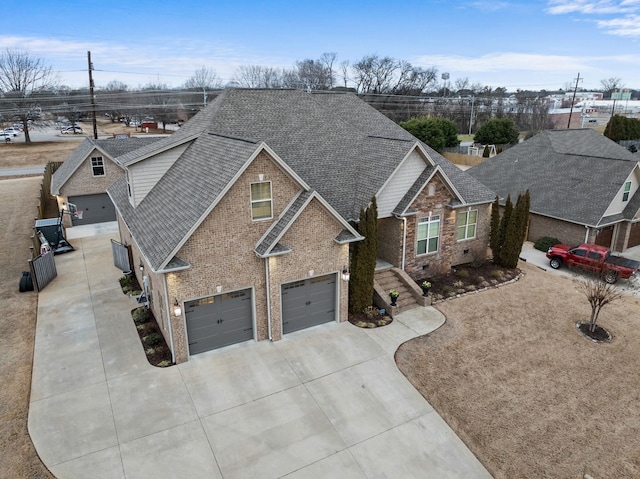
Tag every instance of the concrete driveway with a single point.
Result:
(324, 402)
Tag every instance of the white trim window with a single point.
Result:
(466, 224)
(261, 201)
(97, 166)
(626, 190)
(428, 235)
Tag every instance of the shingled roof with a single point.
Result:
(111, 147)
(337, 145)
(571, 174)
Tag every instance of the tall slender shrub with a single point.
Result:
(363, 260)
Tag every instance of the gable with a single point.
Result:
(83, 181)
(145, 174)
(400, 182)
(621, 200)
(229, 225)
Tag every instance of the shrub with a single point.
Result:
(458, 284)
(462, 273)
(141, 315)
(151, 339)
(546, 242)
(447, 290)
(164, 363)
(496, 273)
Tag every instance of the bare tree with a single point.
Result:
(599, 293)
(379, 75)
(203, 79)
(22, 77)
(161, 103)
(328, 59)
(114, 99)
(610, 85)
(258, 76)
(344, 67)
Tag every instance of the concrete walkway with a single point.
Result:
(324, 402)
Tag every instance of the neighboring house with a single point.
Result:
(86, 174)
(583, 186)
(239, 224)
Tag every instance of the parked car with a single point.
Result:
(4, 137)
(593, 258)
(11, 131)
(71, 129)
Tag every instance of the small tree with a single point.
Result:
(494, 239)
(363, 261)
(599, 293)
(497, 131)
(438, 133)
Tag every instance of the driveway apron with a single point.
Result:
(328, 401)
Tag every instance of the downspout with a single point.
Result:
(404, 239)
(168, 306)
(266, 264)
(586, 235)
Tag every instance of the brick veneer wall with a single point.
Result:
(221, 253)
(311, 238)
(82, 181)
(390, 240)
(569, 233)
(475, 249)
(450, 251)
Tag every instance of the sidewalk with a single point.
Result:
(323, 402)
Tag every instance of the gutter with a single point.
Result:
(168, 306)
(266, 264)
(404, 238)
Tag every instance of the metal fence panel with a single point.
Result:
(121, 256)
(43, 270)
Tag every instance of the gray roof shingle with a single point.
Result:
(337, 144)
(113, 147)
(571, 174)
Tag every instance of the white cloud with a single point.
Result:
(625, 27)
(560, 7)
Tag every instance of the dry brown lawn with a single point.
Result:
(19, 154)
(529, 395)
(18, 458)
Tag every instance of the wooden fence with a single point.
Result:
(44, 198)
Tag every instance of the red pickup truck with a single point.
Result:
(593, 258)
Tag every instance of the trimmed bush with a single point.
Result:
(151, 339)
(546, 242)
(141, 315)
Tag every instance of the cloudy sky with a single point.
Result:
(523, 44)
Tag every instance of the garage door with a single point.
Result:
(634, 235)
(308, 302)
(218, 321)
(605, 236)
(95, 209)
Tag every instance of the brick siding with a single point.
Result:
(221, 253)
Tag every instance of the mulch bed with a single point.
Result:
(158, 354)
(151, 338)
(370, 318)
(469, 277)
(599, 334)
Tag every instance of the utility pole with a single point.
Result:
(473, 98)
(575, 90)
(93, 100)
